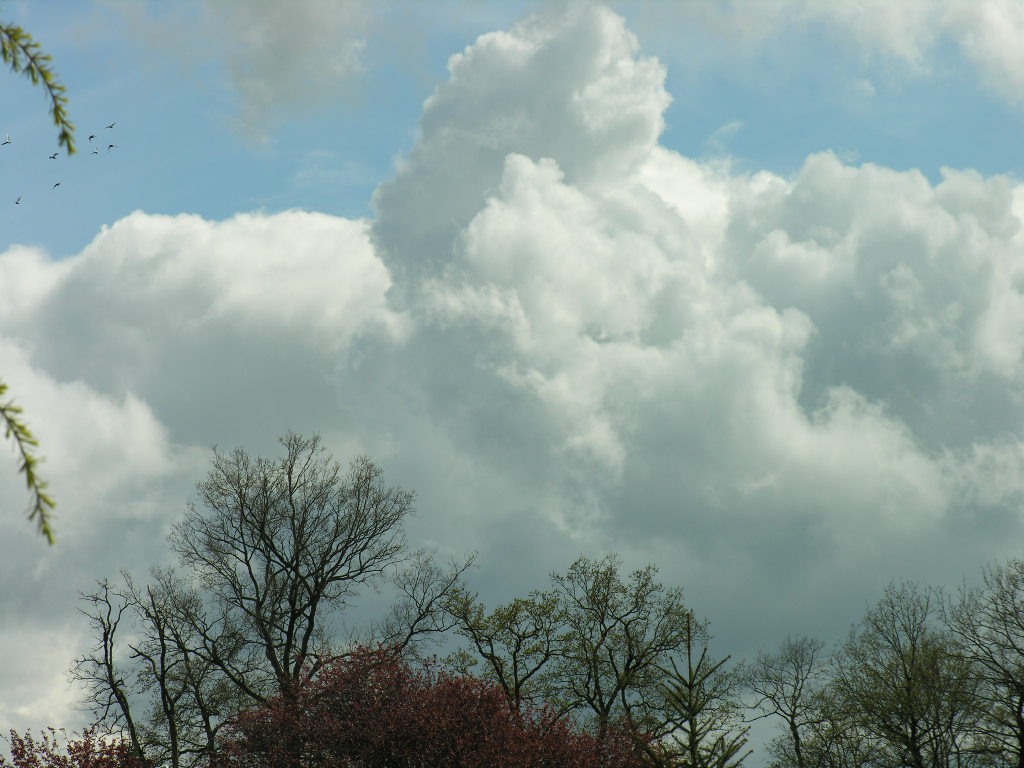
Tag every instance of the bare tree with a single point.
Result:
(787, 684)
(190, 698)
(987, 624)
(108, 684)
(420, 613)
(149, 681)
(277, 542)
(273, 550)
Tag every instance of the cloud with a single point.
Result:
(282, 58)
(778, 377)
(36, 694)
(911, 33)
(278, 60)
(158, 304)
(164, 336)
(717, 142)
(990, 34)
(905, 30)
(565, 337)
(115, 475)
(569, 86)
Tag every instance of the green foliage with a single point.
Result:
(594, 647)
(621, 632)
(15, 429)
(703, 708)
(25, 56)
(516, 642)
(899, 679)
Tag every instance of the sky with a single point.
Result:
(732, 289)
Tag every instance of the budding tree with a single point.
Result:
(900, 680)
(788, 685)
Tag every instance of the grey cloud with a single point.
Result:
(278, 59)
(285, 56)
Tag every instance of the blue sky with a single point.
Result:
(735, 289)
(803, 88)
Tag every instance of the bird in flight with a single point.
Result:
(18, 201)
(112, 124)
(92, 136)
(53, 156)
(6, 142)
(55, 185)
(111, 146)
(95, 151)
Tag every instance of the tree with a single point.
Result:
(899, 678)
(184, 697)
(86, 751)
(372, 709)
(42, 504)
(106, 689)
(275, 543)
(276, 548)
(834, 739)
(423, 588)
(595, 646)
(787, 684)
(620, 636)
(516, 641)
(24, 55)
(703, 707)
(987, 625)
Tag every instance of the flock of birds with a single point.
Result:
(95, 151)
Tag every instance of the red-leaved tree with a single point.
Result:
(371, 709)
(87, 751)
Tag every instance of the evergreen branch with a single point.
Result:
(24, 55)
(43, 504)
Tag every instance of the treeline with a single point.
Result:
(235, 658)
